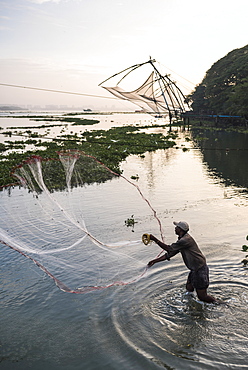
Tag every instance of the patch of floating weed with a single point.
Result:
(3, 147)
(135, 177)
(130, 222)
(34, 127)
(73, 120)
(245, 249)
(110, 147)
(67, 120)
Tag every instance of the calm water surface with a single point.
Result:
(150, 323)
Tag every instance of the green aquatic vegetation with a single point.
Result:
(245, 261)
(135, 177)
(12, 145)
(245, 249)
(33, 127)
(30, 142)
(173, 135)
(110, 147)
(7, 133)
(73, 120)
(130, 222)
(3, 147)
(26, 116)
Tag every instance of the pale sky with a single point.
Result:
(73, 45)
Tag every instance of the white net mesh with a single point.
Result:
(68, 217)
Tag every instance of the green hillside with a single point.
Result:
(224, 89)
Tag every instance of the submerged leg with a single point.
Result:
(189, 287)
(203, 296)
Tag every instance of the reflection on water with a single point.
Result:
(226, 155)
(152, 323)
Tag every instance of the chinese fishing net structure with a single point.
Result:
(159, 94)
(67, 216)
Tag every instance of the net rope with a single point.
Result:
(43, 220)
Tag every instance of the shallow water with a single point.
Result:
(151, 323)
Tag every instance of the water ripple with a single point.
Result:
(169, 326)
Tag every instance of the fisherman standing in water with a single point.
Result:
(193, 258)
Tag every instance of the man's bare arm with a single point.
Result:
(159, 259)
(161, 244)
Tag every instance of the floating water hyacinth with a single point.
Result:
(245, 249)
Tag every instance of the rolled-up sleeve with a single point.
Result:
(175, 248)
(192, 256)
(172, 253)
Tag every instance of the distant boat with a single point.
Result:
(158, 95)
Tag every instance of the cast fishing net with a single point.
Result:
(68, 216)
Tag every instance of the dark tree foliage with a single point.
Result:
(224, 89)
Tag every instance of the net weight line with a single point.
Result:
(35, 166)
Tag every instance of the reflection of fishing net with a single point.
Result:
(68, 217)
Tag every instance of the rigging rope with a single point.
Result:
(57, 91)
(162, 65)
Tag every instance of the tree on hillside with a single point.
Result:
(224, 89)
